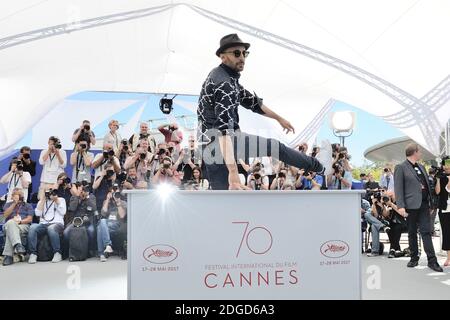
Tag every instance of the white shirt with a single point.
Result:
(52, 213)
(14, 181)
(114, 139)
(51, 167)
(84, 172)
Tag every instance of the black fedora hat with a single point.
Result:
(231, 40)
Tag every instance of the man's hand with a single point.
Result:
(402, 212)
(286, 125)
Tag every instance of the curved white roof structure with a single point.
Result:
(390, 58)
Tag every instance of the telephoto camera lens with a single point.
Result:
(105, 154)
(87, 127)
(47, 194)
(257, 176)
(58, 145)
(67, 180)
(111, 152)
(125, 148)
(83, 146)
(142, 156)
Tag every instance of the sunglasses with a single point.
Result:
(237, 53)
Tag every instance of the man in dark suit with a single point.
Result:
(413, 195)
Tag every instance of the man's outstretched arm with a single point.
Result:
(273, 115)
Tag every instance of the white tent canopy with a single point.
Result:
(389, 58)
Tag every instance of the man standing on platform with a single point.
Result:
(413, 195)
(218, 122)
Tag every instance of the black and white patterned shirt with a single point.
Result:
(219, 100)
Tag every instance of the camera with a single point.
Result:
(50, 193)
(107, 154)
(377, 195)
(19, 165)
(109, 173)
(58, 144)
(386, 170)
(66, 180)
(161, 152)
(337, 168)
(257, 175)
(142, 156)
(117, 195)
(124, 144)
(386, 199)
(281, 175)
(83, 146)
(122, 176)
(166, 166)
(143, 136)
(26, 156)
(87, 127)
(115, 187)
(171, 128)
(438, 171)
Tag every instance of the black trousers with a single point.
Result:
(394, 236)
(444, 219)
(251, 146)
(420, 219)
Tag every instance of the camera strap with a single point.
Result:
(16, 181)
(47, 208)
(52, 158)
(80, 164)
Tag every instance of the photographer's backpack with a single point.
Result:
(44, 248)
(78, 244)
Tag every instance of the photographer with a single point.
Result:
(82, 205)
(53, 160)
(84, 133)
(143, 134)
(172, 134)
(113, 136)
(131, 180)
(375, 217)
(167, 173)
(191, 159)
(340, 179)
(51, 210)
(63, 187)
(342, 157)
(310, 181)
(28, 166)
(104, 182)
(123, 153)
(18, 216)
(442, 190)
(113, 223)
(142, 161)
(105, 158)
(279, 181)
(303, 147)
(397, 225)
(16, 178)
(81, 160)
(257, 180)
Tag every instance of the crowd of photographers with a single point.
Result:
(92, 197)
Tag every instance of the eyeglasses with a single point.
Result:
(237, 53)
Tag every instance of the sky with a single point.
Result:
(369, 129)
